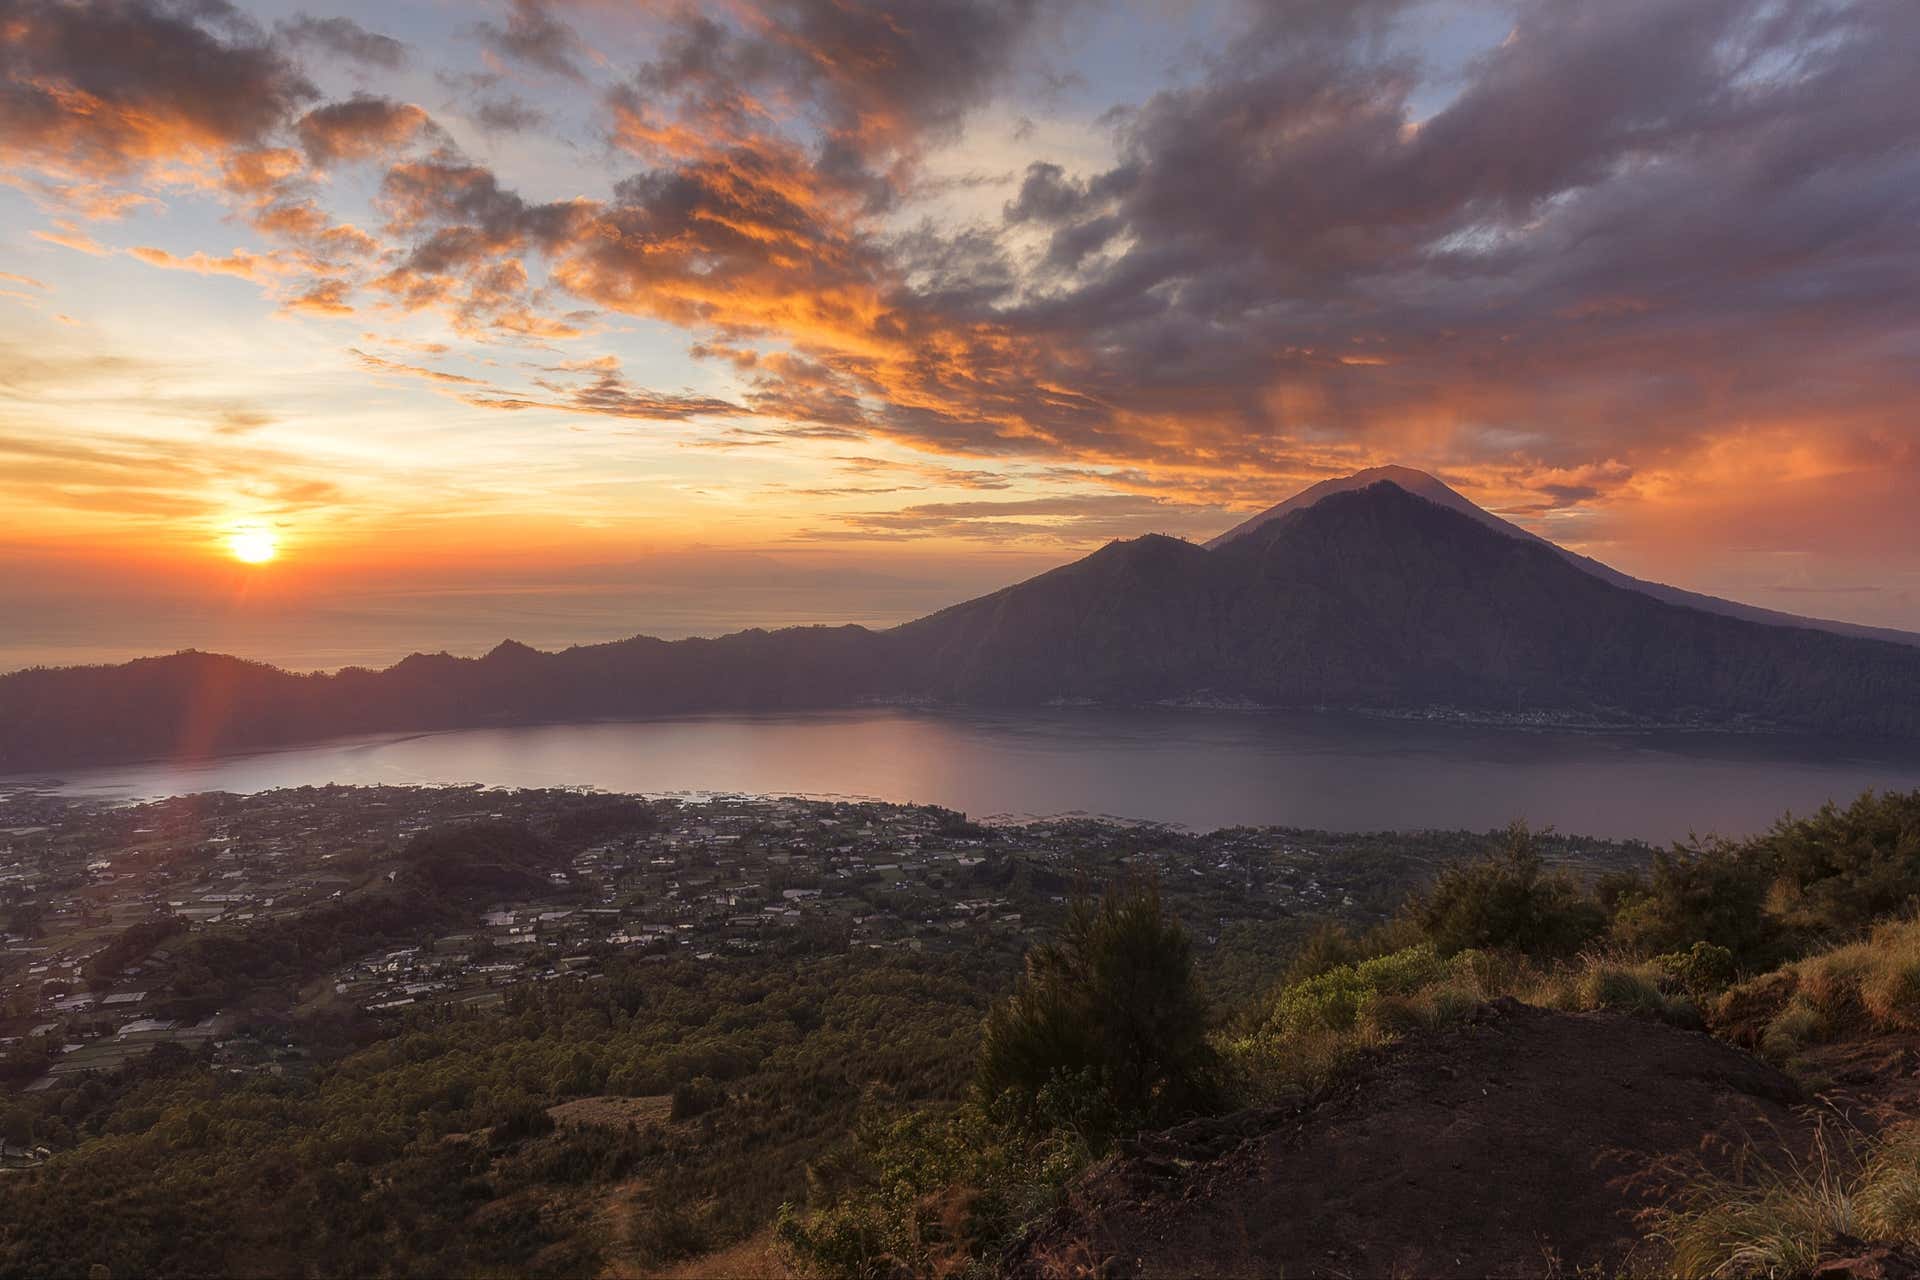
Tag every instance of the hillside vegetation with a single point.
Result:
(1690, 944)
(895, 1117)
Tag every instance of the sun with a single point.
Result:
(252, 546)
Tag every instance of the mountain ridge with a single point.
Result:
(1370, 599)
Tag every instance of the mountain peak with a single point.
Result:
(1422, 485)
(510, 650)
(1418, 483)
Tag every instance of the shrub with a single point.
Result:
(1795, 1027)
(1109, 1012)
(1314, 1028)
(1712, 893)
(1703, 969)
(1390, 1017)
(927, 1194)
(1332, 945)
(1508, 901)
(1889, 1195)
(1841, 868)
(1329, 946)
(1628, 990)
(1269, 1069)
(1806, 882)
(1604, 981)
(1334, 1000)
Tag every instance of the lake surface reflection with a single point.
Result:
(1201, 769)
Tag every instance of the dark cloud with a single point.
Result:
(533, 36)
(469, 238)
(361, 126)
(506, 113)
(345, 38)
(607, 391)
(880, 79)
(99, 91)
(1620, 229)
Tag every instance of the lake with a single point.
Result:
(1200, 769)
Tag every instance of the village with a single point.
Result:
(100, 903)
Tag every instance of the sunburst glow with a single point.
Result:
(253, 546)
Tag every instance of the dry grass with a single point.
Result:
(1603, 980)
(1767, 1219)
(1865, 987)
(1779, 1218)
(1320, 1026)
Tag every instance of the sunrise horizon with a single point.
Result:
(571, 289)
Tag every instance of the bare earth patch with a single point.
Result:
(1515, 1144)
(607, 1112)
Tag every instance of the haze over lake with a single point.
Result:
(1199, 769)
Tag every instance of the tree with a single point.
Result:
(1714, 893)
(1107, 1029)
(1508, 901)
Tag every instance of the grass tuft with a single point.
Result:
(1769, 1219)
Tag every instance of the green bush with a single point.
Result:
(926, 1194)
(1109, 1015)
(1806, 883)
(1703, 969)
(1712, 893)
(1335, 1000)
(1508, 901)
(1839, 870)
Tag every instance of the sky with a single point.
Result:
(574, 319)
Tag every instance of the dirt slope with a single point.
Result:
(1515, 1144)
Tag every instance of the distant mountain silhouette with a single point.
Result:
(1435, 491)
(1368, 598)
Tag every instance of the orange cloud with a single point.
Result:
(259, 268)
(322, 298)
